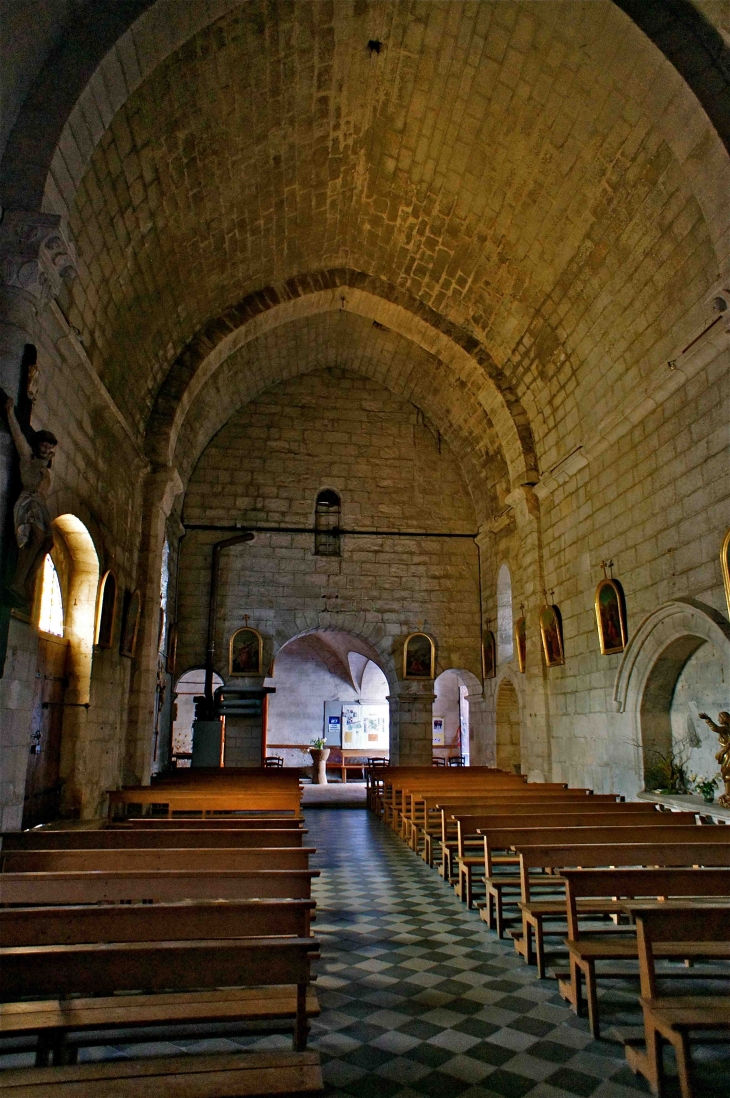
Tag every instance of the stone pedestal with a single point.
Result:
(319, 769)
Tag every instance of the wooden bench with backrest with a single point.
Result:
(713, 851)
(154, 886)
(243, 823)
(414, 809)
(395, 777)
(171, 801)
(154, 860)
(119, 839)
(586, 948)
(442, 816)
(695, 933)
(52, 1019)
(500, 882)
(448, 782)
(178, 967)
(536, 795)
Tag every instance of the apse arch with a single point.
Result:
(652, 664)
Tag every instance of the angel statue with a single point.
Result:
(31, 519)
(722, 729)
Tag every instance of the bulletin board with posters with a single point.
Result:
(365, 727)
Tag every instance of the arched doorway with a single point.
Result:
(509, 752)
(329, 684)
(451, 715)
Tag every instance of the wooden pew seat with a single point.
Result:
(226, 1076)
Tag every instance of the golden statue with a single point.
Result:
(722, 729)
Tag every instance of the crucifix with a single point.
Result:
(245, 620)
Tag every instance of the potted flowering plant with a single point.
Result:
(320, 753)
(704, 786)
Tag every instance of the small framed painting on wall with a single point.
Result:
(521, 643)
(128, 641)
(551, 632)
(244, 654)
(418, 657)
(725, 562)
(489, 655)
(611, 617)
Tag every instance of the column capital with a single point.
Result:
(162, 487)
(37, 255)
(525, 503)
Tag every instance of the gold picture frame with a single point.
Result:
(725, 563)
(130, 630)
(489, 655)
(610, 603)
(551, 632)
(419, 656)
(521, 643)
(245, 651)
(106, 610)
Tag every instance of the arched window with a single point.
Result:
(327, 524)
(50, 619)
(107, 609)
(505, 641)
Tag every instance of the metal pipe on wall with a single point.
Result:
(218, 548)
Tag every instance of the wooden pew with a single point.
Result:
(608, 827)
(243, 823)
(714, 851)
(442, 817)
(140, 839)
(150, 886)
(72, 926)
(585, 886)
(204, 802)
(696, 933)
(185, 967)
(394, 778)
(414, 800)
(182, 1076)
(154, 860)
(446, 781)
(533, 795)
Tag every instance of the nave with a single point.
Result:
(418, 997)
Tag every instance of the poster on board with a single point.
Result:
(365, 727)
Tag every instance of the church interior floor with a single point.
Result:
(420, 1000)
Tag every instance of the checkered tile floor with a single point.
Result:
(420, 1000)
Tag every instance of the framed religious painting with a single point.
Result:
(725, 561)
(551, 632)
(130, 628)
(244, 652)
(521, 643)
(107, 607)
(611, 617)
(419, 657)
(489, 655)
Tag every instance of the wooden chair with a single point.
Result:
(274, 762)
(695, 933)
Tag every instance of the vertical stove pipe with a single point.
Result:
(218, 547)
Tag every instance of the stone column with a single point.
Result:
(161, 489)
(482, 737)
(536, 747)
(411, 724)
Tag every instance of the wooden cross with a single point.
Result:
(245, 619)
(607, 564)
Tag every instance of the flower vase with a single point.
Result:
(319, 770)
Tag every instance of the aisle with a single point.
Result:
(420, 999)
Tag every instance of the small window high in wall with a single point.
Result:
(50, 619)
(327, 525)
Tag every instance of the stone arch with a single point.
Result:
(341, 640)
(508, 726)
(652, 664)
(363, 295)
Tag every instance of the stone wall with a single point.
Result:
(333, 430)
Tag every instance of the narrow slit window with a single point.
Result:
(50, 619)
(327, 538)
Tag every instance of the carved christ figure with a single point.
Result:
(31, 519)
(722, 729)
